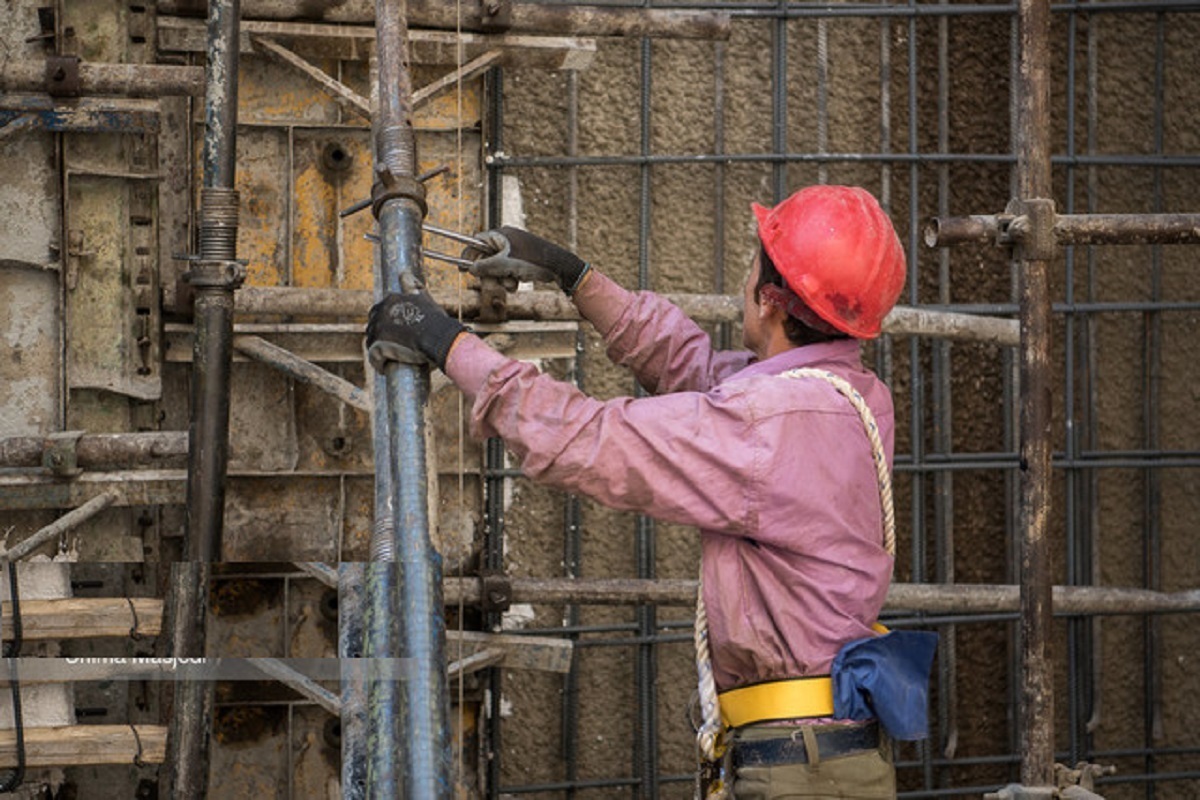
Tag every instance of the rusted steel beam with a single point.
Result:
(571, 20)
(304, 371)
(339, 91)
(356, 42)
(23, 492)
(98, 450)
(78, 115)
(1069, 229)
(902, 597)
(127, 80)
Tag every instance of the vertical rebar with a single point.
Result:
(943, 435)
(646, 742)
(1152, 380)
(1036, 708)
(424, 709)
(493, 546)
(572, 511)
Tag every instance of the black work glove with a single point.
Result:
(405, 327)
(521, 255)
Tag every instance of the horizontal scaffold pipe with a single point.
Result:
(903, 597)
(98, 450)
(547, 306)
(563, 20)
(1068, 229)
(126, 80)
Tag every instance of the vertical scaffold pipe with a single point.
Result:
(214, 275)
(399, 208)
(1036, 711)
(351, 612)
(191, 716)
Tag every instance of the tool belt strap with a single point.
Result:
(797, 698)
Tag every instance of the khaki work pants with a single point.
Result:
(869, 774)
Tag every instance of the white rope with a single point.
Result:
(710, 735)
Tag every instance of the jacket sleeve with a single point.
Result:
(686, 458)
(665, 349)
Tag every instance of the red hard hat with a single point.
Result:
(838, 251)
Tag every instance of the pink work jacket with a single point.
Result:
(776, 472)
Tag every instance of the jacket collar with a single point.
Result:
(843, 352)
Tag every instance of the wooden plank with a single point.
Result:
(85, 617)
(74, 745)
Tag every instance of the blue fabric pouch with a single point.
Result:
(886, 678)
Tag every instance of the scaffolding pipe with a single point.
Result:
(127, 80)
(1034, 190)
(546, 306)
(214, 277)
(67, 522)
(98, 450)
(304, 371)
(186, 763)
(1069, 229)
(399, 208)
(926, 598)
(279, 670)
(351, 579)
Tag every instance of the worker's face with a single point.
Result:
(753, 327)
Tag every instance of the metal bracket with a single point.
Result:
(1083, 776)
(62, 76)
(493, 301)
(389, 186)
(495, 592)
(216, 273)
(1030, 229)
(60, 453)
(495, 16)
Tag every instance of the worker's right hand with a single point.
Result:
(521, 255)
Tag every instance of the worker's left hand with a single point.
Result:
(401, 326)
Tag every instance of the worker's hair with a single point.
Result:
(796, 331)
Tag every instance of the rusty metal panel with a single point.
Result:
(285, 518)
(271, 93)
(262, 426)
(262, 187)
(102, 285)
(331, 171)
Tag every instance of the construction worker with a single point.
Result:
(775, 468)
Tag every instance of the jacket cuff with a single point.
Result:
(470, 362)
